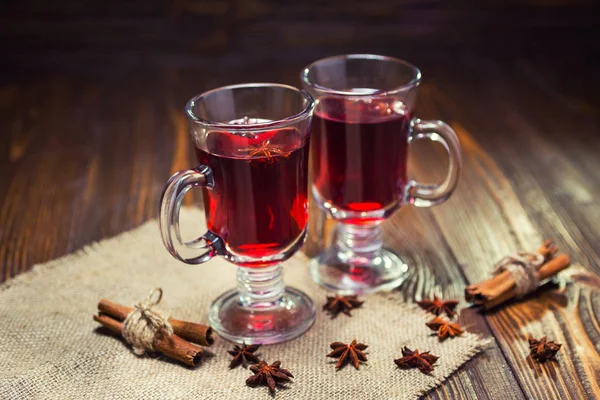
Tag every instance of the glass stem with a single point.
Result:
(260, 287)
(359, 244)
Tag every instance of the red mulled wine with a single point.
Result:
(258, 203)
(360, 153)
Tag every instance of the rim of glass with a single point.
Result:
(416, 79)
(306, 112)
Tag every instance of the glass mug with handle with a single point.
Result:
(361, 131)
(251, 144)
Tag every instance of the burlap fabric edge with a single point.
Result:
(324, 327)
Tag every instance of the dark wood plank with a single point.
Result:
(122, 39)
(517, 213)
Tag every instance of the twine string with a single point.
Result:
(144, 324)
(523, 267)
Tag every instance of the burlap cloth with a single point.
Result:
(50, 348)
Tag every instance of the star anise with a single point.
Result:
(543, 350)
(270, 375)
(243, 355)
(444, 328)
(337, 304)
(265, 149)
(348, 352)
(413, 359)
(437, 306)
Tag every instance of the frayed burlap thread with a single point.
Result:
(50, 348)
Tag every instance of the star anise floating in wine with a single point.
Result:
(341, 304)
(445, 329)
(438, 306)
(543, 350)
(269, 375)
(413, 359)
(243, 355)
(265, 149)
(352, 352)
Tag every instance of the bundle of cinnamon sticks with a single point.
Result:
(183, 345)
(502, 287)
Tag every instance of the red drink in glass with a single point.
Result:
(258, 202)
(360, 154)
(251, 143)
(362, 128)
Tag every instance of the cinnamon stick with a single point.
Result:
(554, 266)
(196, 333)
(502, 287)
(546, 271)
(171, 346)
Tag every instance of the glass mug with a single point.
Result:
(361, 131)
(251, 144)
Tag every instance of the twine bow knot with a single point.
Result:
(523, 267)
(143, 325)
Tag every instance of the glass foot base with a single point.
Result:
(263, 323)
(383, 272)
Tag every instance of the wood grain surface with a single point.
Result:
(85, 158)
(120, 38)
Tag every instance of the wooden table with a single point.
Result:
(83, 159)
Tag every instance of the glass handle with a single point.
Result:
(427, 195)
(199, 250)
